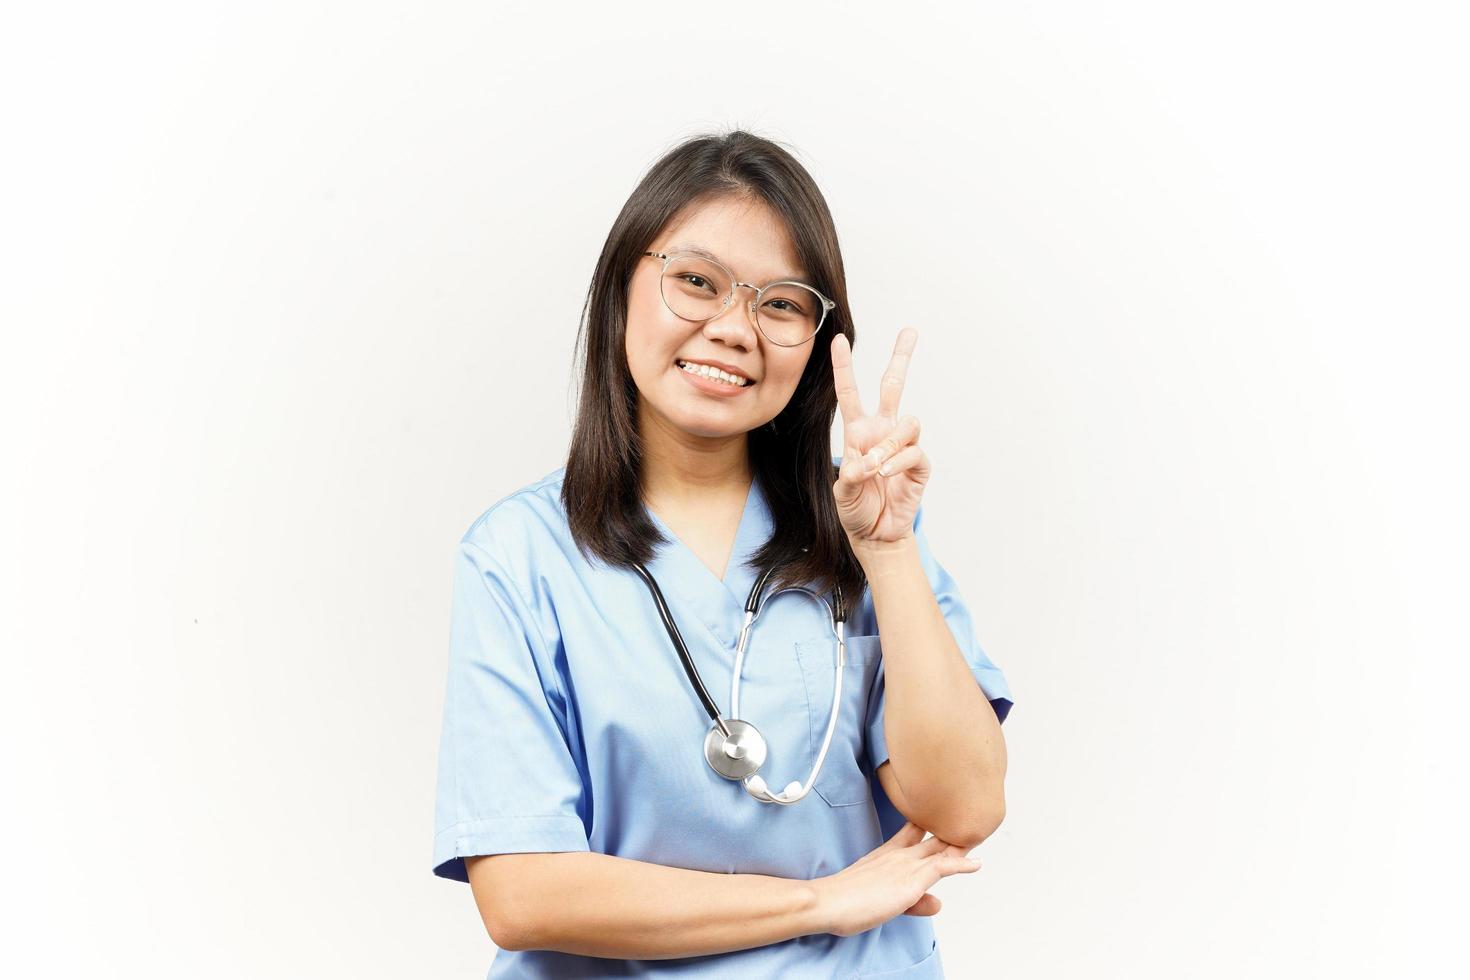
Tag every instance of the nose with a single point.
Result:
(735, 325)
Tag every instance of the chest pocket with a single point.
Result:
(843, 780)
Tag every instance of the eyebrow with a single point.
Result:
(700, 250)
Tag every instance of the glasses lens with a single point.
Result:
(695, 288)
(789, 313)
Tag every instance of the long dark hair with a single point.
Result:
(792, 458)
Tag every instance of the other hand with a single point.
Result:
(892, 879)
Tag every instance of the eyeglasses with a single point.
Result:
(697, 287)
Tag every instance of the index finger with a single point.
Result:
(891, 387)
(843, 380)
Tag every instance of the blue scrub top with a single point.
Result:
(570, 725)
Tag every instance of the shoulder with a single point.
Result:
(525, 521)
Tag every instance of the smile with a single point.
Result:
(714, 374)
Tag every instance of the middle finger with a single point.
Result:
(891, 387)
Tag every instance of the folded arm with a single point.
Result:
(595, 904)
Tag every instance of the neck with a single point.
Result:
(678, 468)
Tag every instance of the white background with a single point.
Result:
(289, 296)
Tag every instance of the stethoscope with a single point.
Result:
(733, 747)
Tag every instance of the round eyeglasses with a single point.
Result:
(698, 287)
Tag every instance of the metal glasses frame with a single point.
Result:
(827, 304)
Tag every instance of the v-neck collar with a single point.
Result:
(695, 594)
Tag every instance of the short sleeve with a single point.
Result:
(957, 615)
(508, 780)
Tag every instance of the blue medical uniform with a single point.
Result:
(570, 725)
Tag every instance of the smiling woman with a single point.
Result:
(605, 826)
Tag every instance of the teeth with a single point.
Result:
(704, 370)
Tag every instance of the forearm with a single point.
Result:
(944, 741)
(596, 904)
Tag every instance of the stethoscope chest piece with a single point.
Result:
(737, 756)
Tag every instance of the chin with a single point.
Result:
(709, 424)
(706, 429)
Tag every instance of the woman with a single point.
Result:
(601, 801)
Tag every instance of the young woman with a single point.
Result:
(617, 803)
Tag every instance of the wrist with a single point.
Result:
(816, 906)
(875, 555)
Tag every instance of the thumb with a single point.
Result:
(928, 904)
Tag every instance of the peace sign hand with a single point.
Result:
(878, 505)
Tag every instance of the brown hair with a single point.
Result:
(792, 459)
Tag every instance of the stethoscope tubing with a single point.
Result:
(678, 640)
(753, 605)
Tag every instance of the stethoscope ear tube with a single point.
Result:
(753, 601)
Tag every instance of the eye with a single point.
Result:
(695, 279)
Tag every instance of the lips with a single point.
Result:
(715, 371)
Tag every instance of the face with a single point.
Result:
(752, 242)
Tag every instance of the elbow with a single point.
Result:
(506, 909)
(514, 926)
(975, 827)
(508, 934)
(995, 815)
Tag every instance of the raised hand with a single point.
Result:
(883, 472)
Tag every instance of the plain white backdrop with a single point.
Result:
(289, 297)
